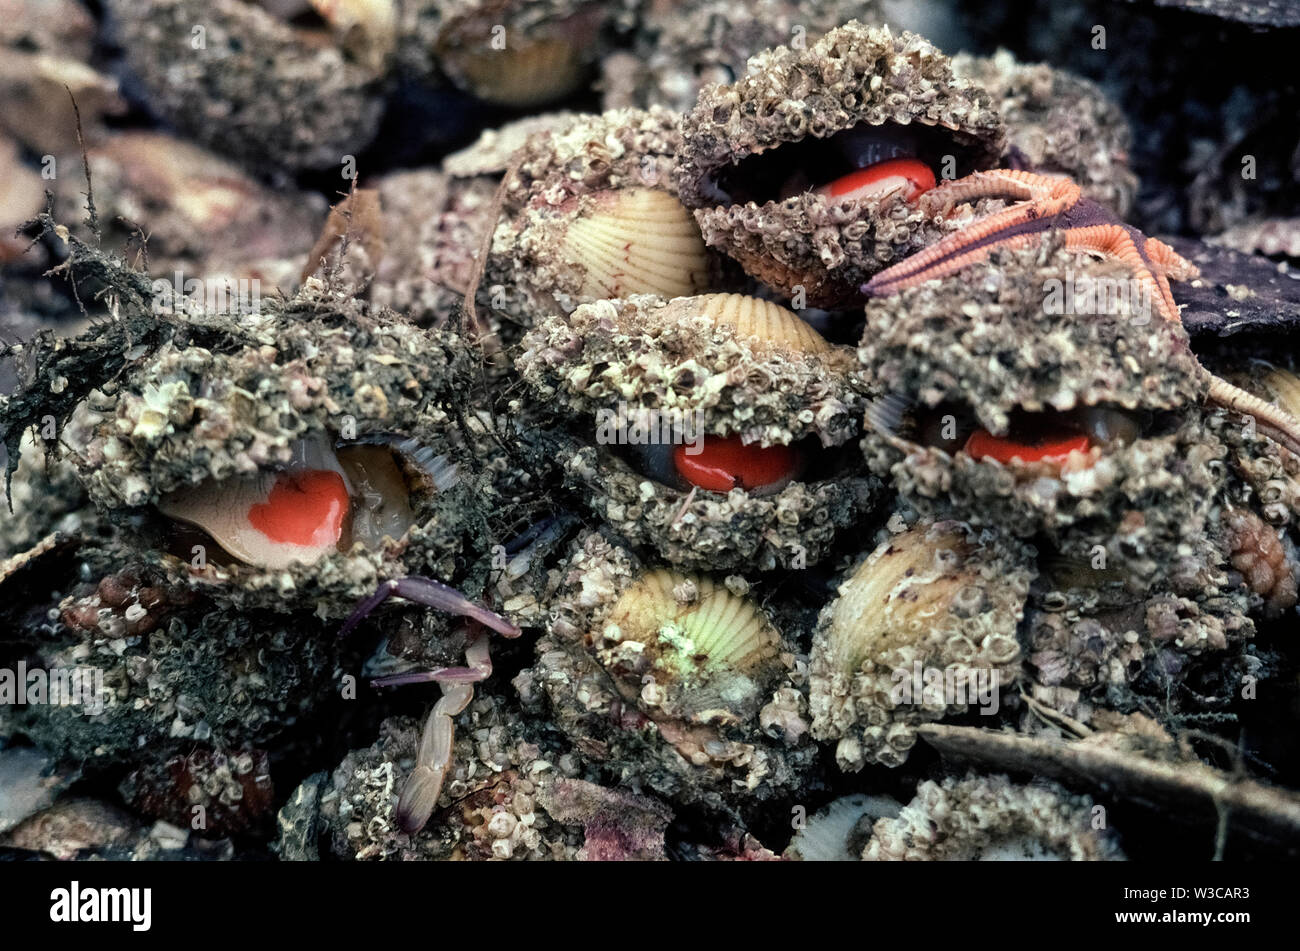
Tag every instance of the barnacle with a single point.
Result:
(689, 44)
(990, 818)
(993, 402)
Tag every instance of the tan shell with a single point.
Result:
(936, 599)
(637, 241)
(1283, 388)
(526, 73)
(689, 624)
(904, 587)
(768, 325)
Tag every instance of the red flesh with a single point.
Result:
(303, 508)
(727, 463)
(984, 445)
(911, 174)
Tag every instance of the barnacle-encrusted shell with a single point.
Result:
(689, 44)
(990, 818)
(696, 354)
(1060, 124)
(937, 597)
(705, 670)
(764, 325)
(236, 79)
(592, 212)
(647, 354)
(990, 339)
(227, 396)
(853, 75)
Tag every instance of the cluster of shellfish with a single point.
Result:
(612, 377)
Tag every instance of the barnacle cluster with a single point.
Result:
(616, 387)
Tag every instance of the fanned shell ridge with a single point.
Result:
(714, 628)
(766, 324)
(638, 241)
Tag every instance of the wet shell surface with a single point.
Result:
(687, 624)
(765, 325)
(319, 474)
(998, 405)
(756, 152)
(591, 211)
(748, 366)
(937, 597)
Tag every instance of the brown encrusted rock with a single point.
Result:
(236, 79)
(1060, 124)
(853, 76)
(992, 818)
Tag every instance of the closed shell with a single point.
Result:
(935, 597)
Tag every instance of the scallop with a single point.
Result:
(766, 325)
(769, 161)
(935, 606)
(514, 56)
(839, 832)
(637, 241)
(691, 626)
(532, 73)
